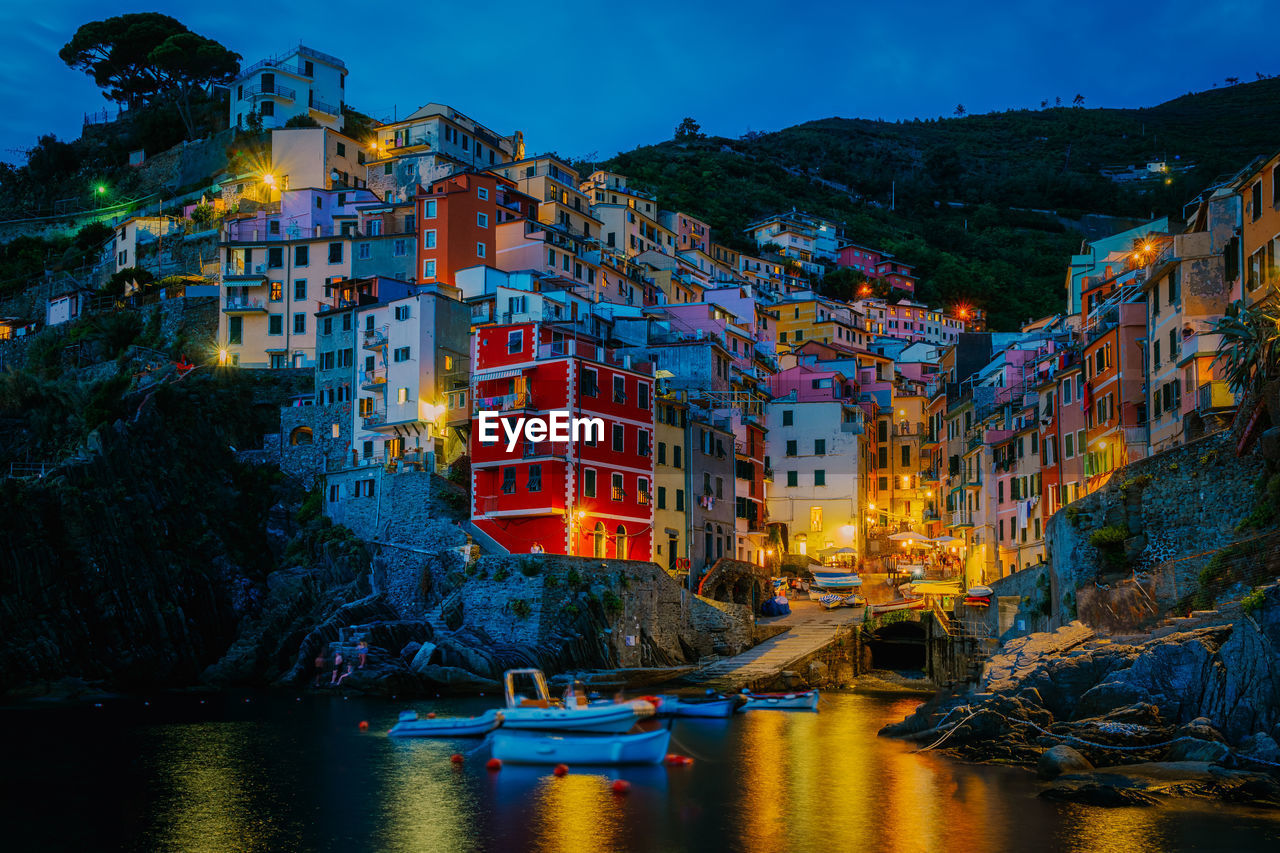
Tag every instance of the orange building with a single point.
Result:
(1260, 229)
(457, 218)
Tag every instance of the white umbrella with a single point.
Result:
(946, 540)
(909, 536)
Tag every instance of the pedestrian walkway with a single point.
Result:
(810, 628)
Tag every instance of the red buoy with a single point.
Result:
(672, 758)
(561, 770)
(621, 786)
(493, 764)
(364, 725)
(456, 758)
(431, 716)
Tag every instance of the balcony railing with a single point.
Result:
(322, 107)
(558, 449)
(642, 498)
(1215, 395)
(376, 377)
(374, 419)
(961, 518)
(617, 494)
(270, 91)
(240, 303)
(242, 270)
(374, 338)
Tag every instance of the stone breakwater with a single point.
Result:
(1195, 713)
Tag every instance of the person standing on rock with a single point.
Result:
(337, 667)
(321, 662)
(364, 653)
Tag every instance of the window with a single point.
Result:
(402, 395)
(401, 354)
(428, 269)
(277, 291)
(906, 455)
(819, 477)
(301, 256)
(791, 447)
(429, 239)
(482, 193)
(616, 491)
(299, 289)
(677, 456)
(429, 209)
(480, 250)
(328, 326)
(235, 330)
(619, 389)
(299, 324)
(642, 490)
(662, 453)
(589, 386)
(400, 248)
(508, 481)
(535, 478)
(335, 253)
(482, 220)
(788, 417)
(815, 519)
(793, 479)
(275, 324)
(619, 439)
(642, 395)
(1068, 446)
(819, 447)
(515, 341)
(588, 482)
(363, 251)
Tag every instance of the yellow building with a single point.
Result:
(815, 319)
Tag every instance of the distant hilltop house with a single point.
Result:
(1152, 172)
(299, 82)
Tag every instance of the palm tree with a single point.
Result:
(1249, 344)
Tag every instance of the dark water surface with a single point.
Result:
(268, 772)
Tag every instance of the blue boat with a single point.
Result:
(411, 725)
(713, 705)
(526, 747)
(806, 701)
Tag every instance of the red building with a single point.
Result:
(457, 218)
(589, 497)
(875, 264)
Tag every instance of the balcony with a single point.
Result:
(244, 305)
(617, 494)
(322, 107)
(504, 402)
(554, 449)
(374, 419)
(244, 271)
(931, 515)
(642, 498)
(374, 338)
(1199, 345)
(961, 518)
(854, 427)
(1214, 396)
(276, 91)
(374, 379)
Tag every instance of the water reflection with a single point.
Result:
(427, 803)
(281, 775)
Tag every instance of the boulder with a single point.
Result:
(1108, 696)
(410, 649)
(816, 673)
(1060, 760)
(422, 657)
(1194, 749)
(1261, 745)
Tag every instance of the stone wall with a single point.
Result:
(1178, 506)
(1021, 603)
(654, 616)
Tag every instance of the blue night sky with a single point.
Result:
(582, 77)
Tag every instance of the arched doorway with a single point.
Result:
(620, 543)
(802, 544)
(301, 435)
(598, 545)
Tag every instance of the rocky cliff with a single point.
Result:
(1208, 694)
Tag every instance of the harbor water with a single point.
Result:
(272, 772)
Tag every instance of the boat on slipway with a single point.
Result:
(532, 747)
(915, 602)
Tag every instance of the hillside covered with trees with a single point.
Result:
(983, 205)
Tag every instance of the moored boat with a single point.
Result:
(526, 747)
(979, 592)
(803, 701)
(715, 705)
(411, 725)
(540, 712)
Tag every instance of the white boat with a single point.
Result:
(804, 701)
(913, 603)
(834, 580)
(525, 747)
(713, 705)
(979, 592)
(833, 600)
(542, 713)
(411, 725)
